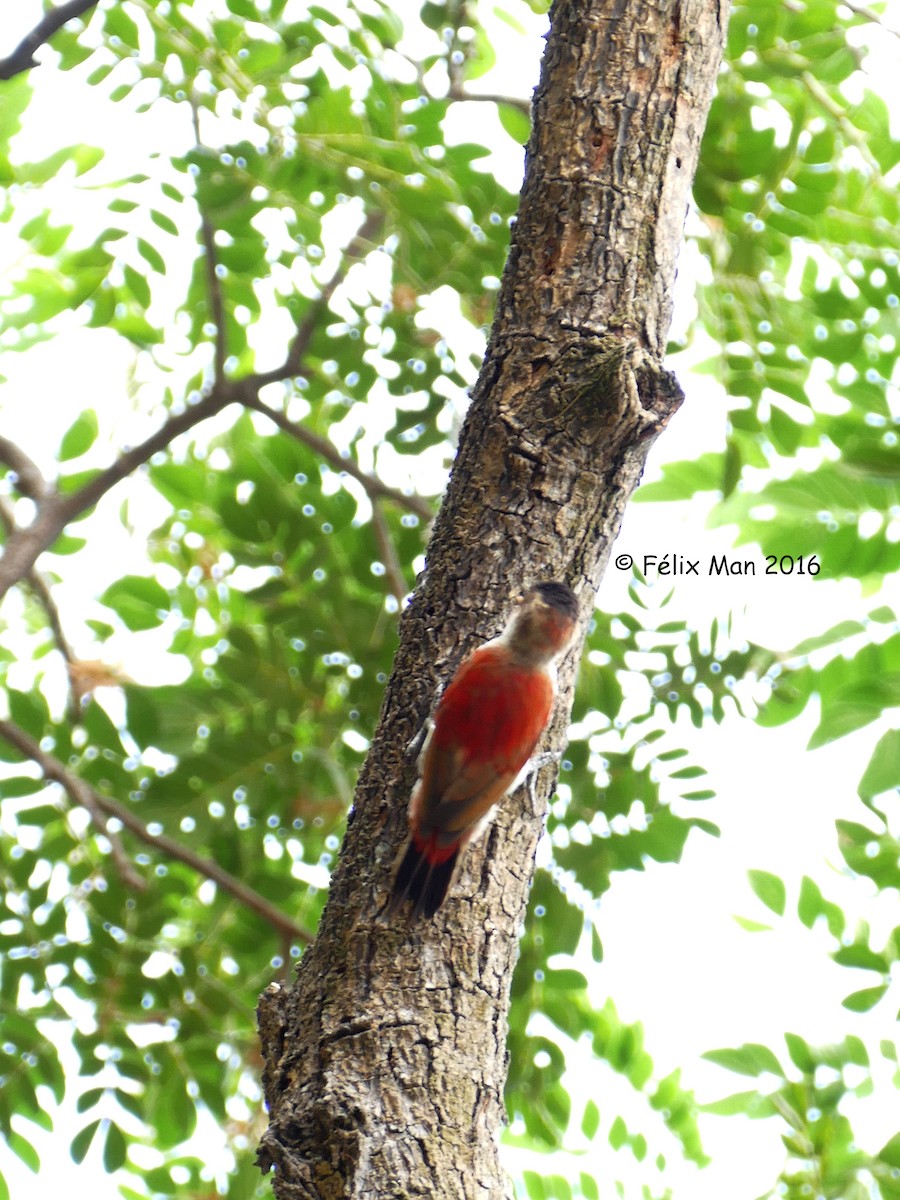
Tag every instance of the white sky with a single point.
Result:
(674, 957)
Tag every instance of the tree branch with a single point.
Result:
(388, 551)
(82, 795)
(102, 807)
(29, 480)
(306, 328)
(862, 10)
(326, 450)
(44, 597)
(457, 92)
(55, 511)
(22, 58)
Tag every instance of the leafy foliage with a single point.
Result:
(285, 270)
(823, 1157)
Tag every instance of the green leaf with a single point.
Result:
(750, 1104)
(141, 602)
(80, 436)
(865, 999)
(883, 771)
(120, 25)
(800, 1052)
(137, 285)
(770, 889)
(862, 957)
(89, 1098)
(115, 1149)
(811, 905)
(749, 1059)
(752, 926)
(152, 255)
(516, 123)
(81, 1142)
(163, 221)
(682, 480)
(21, 1147)
(590, 1121)
(890, 1152)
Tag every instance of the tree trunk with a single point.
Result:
(386, 1061)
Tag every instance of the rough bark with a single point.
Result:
(385, 1062)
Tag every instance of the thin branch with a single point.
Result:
(329, 452)
(388, 551)
(458, 92)
(22, 58)
(41, 591)
(44, 597)
(851, 133)
(459, 51)
(82, 794)
(211, 264)
(29, 480)
(55, 511)
(307, 326)
(863, 10)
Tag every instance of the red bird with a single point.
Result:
(485, 728)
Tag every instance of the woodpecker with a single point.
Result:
(482, 735)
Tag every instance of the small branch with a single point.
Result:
(55, 511)
(211, 263)
(41, 591)
(81, 794)
(306, 328)
(834, 110)
(388, 551)
(29, 480)
(44, 597)
(102, 807)
(863, 10)
(457, 92)
(458, 53)
(22, 58)
(320, 446)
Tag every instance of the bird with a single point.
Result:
(483, 732)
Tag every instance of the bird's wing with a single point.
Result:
(486, 727)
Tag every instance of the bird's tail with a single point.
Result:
(423, 876)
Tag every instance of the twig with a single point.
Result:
(44, 597)
(458, 92)
(100, 807)
(42, 592)
(81, 794)
(458, 53)
(211, 264)
(852, 134)
(29, 480)
(388, 551)
(330, 453)
(863, 10)
(307, 326)
(22, 58)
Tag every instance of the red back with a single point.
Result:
(494, 711)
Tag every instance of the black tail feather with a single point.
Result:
(422, 882)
